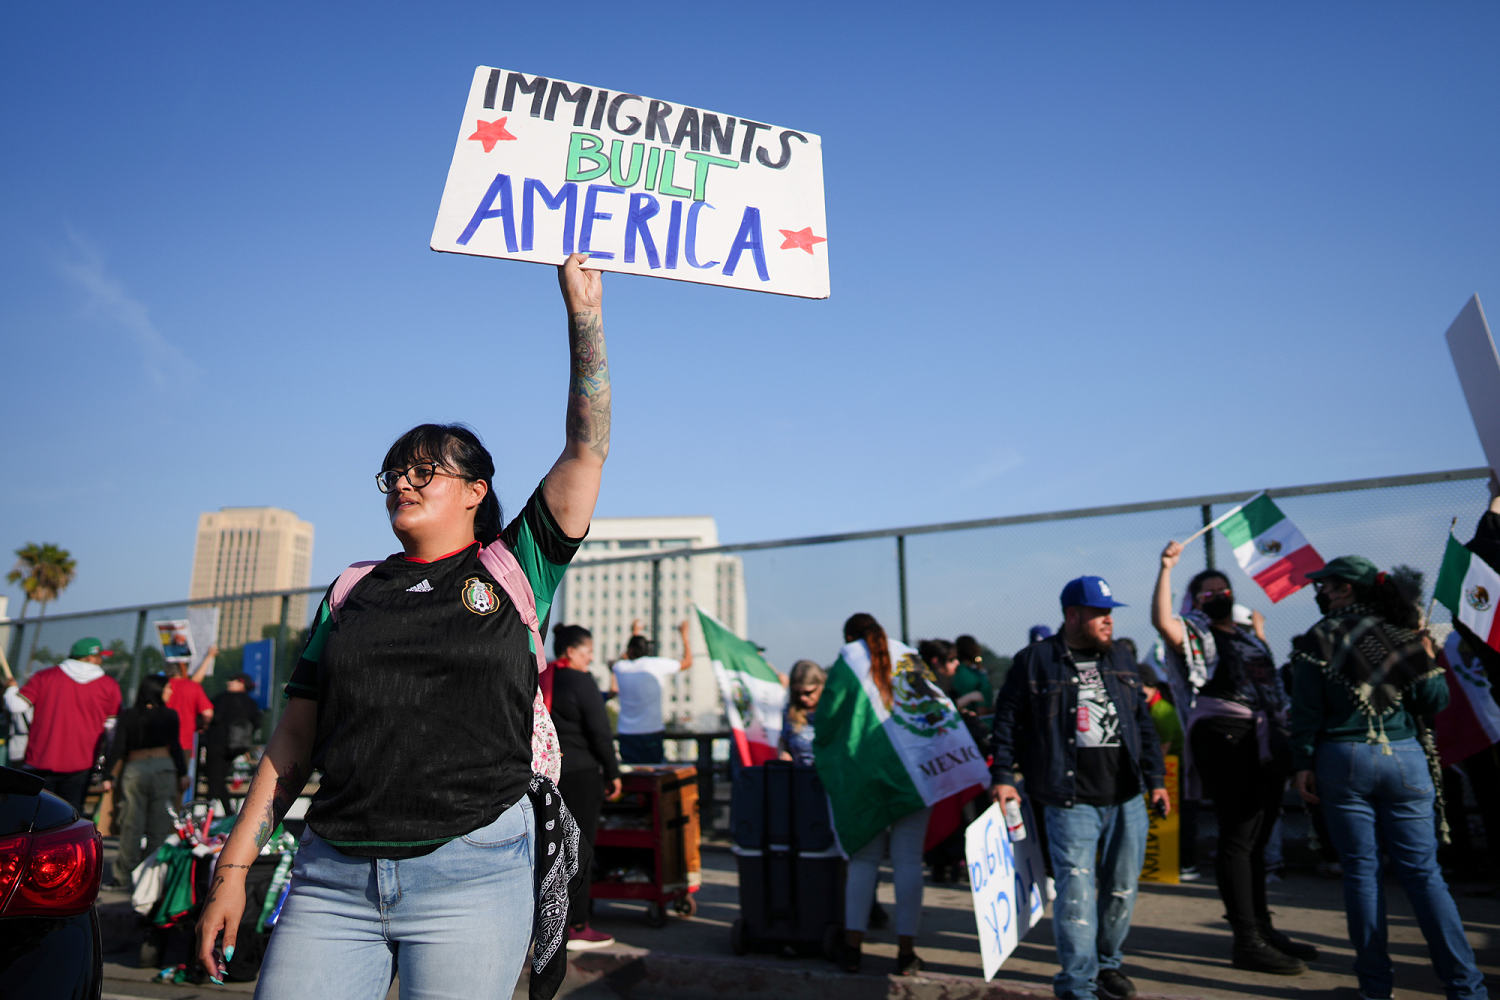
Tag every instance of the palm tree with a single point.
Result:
(43, 571)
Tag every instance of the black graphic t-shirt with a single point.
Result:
(424, 684)
(1104, 775)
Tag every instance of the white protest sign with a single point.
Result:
(543, 168)
(1478, 366)
(1009, 884)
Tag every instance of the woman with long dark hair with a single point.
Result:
(416, 698)
(1236, 731)
(590, 771)
(1363, 681)
(154, 776)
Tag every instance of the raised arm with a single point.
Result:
(687, 649)
(573, 484)
(283, 770)
(1167, 623)
(206, 666)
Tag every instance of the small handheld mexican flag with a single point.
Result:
(1471, 722)
(753, 696)
(1268, 547)
(1470, 588)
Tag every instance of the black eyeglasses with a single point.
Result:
(418, 475)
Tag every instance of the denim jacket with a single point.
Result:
(1036, 716)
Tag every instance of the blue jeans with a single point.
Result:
(1371, 801)
(904, 839)
(457, 921)
(1089, 924)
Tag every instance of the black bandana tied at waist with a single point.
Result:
(557, 866)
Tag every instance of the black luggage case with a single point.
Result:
(791, 872)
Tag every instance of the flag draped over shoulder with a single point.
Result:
(1269, 548)
(1471, 722)
(879, 764)
(753, 696)
(1470, 588)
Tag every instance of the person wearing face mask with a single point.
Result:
(1237, 738)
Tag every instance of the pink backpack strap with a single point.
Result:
(546, 754)
(345, 583)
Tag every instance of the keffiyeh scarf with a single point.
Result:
(557, 865)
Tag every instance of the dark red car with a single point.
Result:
(50, 863)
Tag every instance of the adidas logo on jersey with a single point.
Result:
(422, 588)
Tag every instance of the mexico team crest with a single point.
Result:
(479, 596)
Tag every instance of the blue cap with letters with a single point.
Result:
(1089, 592)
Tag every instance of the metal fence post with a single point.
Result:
(135, 655)
(656, 604)
(901, 586)
(279, 655)
(16, 645)
(1208, 537)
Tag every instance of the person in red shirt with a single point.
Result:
(186, 697)
(72, 703)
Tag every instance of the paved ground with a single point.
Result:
(1179, 947)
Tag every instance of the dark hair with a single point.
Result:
(150, 691)
(1200, 578)
(637, 647)
(935, 650)
(458, 448)
(566, 637)
(1129, 645)
(968, 648)
(864, 626)
(1395, 596)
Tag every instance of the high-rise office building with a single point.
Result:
(606, 599)
(243, 550)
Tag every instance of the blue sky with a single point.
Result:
(1081, 254)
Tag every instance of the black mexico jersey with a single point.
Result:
(424, 683)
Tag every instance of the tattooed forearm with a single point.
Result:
(288, 787)
(588, 388)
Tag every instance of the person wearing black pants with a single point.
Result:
(590, 771)
(1237, 732)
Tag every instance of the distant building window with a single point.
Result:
(635, 543)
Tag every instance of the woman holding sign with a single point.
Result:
(416, 697)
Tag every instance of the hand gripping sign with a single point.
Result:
(1009, 884)
(544, 168)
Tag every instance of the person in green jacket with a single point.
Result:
(1363, 678)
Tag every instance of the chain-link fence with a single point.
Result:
(992, 579)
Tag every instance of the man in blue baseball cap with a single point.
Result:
(1072, 720)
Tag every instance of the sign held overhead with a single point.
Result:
(543, 168)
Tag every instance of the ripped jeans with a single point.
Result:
(1088, 924)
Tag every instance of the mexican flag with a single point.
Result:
(1268, 547)
(1469, 587)
(753, 696)
(879, 764)
(1471, 722)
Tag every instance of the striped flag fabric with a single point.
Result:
(1469, 587)
(1269, 548)
(754, 698)
(1471, 722)
(879, 764)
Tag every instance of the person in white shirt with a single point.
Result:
(637, 681)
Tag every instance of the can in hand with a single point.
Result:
(1013, 821)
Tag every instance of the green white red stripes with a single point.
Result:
(753, 696)
(1269, 548)
(1470, 588)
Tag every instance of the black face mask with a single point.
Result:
(1323, 603)
(1218, 608)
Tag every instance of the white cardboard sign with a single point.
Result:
(543, 168)
(1009, 884)
(1478, 366)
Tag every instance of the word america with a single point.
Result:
(701, 130)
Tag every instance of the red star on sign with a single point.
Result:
(802, 239)
(490, 133)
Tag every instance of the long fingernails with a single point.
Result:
(229, 953)
(216, 980)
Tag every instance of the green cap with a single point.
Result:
(86, 647)
(1355, 569)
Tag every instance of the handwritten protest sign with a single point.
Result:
(1163, 857)
(543, 168)
(1009, 884)
(1478, 367)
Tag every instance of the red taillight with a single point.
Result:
(51, 874)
